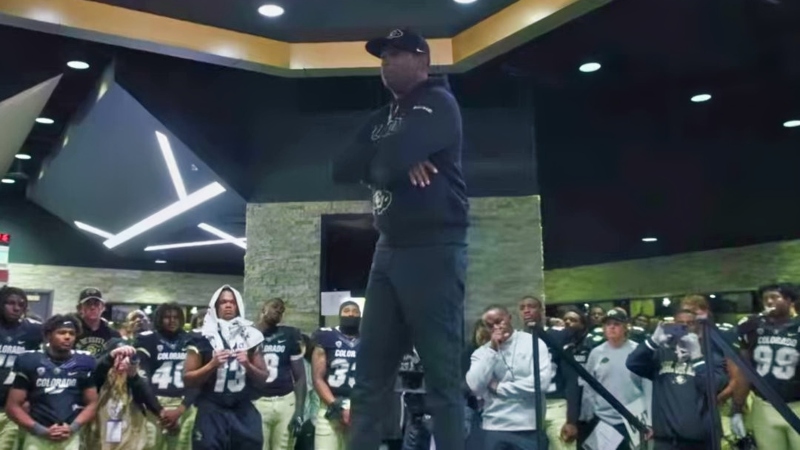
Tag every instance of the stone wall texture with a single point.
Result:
(729, 269)
(129, 286)
(283, 255)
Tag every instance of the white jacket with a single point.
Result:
(512, 408)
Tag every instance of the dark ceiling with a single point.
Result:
(622, 153)
(318, 20)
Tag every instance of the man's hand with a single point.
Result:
(691, 342)
(169, 417)
(420, 174)
(492, 387)
(125, 350)
(499, 336)
(296, 424)
(659, 337)
(244, 359)
(58, 432)
(737, 426)
(569, 432)
(346, 417)
(220, 357)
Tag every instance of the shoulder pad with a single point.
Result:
(724, 326)
(745, 319)
(146, 333)
(326, 329)
(597, 337)
(33, 321)
(638, 329)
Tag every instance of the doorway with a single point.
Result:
(40, 302)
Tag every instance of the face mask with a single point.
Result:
(349, 325)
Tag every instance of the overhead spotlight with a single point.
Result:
(712, 296)
(270, 10)
(22, 156)
(7, 181)
(590, 67)
(161, 261)
(791, 123)
(45, 120)
(700, 98)
(666, 301)
(78, 65)
(465, 2)
(649, 239)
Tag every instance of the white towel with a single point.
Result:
(238, 333)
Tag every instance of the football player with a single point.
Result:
(580, 345)
(162, 353)
(333, 366)
(771, 342)
(16, 336)
(59, 387)
(224, 361)
(531, 311)
(95, 330)
(284, 395)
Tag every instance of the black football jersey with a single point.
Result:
(55, 389)
(340, 354)
(94, 341)
(229, 386)
(775, 353)
(162, 360)
(14, 342)
(281, 346)
(560, 338)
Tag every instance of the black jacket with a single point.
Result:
(680, 405)
(424, 125)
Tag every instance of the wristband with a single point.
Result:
(74, 427)
(39, 429)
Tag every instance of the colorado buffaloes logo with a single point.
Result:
(380, 201)
(395, 34)
(338, 344)
(40, 371)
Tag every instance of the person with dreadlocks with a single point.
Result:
(17, 335)
(162, 353)
(59, 387)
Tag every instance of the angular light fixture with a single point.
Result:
(791, 123)
(45, 120)
(93, 230)
(172, 165)
(270, 11)
(700, 98)
(161, 261)
(22, 156)
(223, 235)
(181, 206)
(154, 248)
(7, 181)
(649, 239)
(78, 65)
(590, 67)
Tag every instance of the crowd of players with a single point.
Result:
(74, 382)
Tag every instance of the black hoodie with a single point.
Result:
(423, 125)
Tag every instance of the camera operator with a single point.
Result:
(673, 359)
(416, 418)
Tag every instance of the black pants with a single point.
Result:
(415, 296)
(671, 444)
(220, 428)
(513, 440)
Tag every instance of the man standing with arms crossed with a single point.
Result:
(409, 153)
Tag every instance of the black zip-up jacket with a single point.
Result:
(680, 405)
(424, 125)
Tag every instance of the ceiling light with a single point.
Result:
(465, 2)
(78, 65)
(154, 248)
(221, 234)
(700, 98)
(666, 302)
(7, 181)
(172, 166)
(649, 239)
(270, 10)
(713, 296)
(171, 211)
(23, 156)
(161, 261)
(45, 121)
(791, 123)
(590, 67)
(93, 230)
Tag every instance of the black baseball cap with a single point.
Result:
(401, 39)
(90, 294)
(616, 315)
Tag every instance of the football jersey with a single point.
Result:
(281, 346)
(340, 354)
(55, 390)
(13, 342)
(94, 341)
(560, 338)
(228, 386)
(775, 353)
(162, 360)
(411, 374)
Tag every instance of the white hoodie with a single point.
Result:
(238, 333)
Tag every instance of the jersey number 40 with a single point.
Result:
(170, 372)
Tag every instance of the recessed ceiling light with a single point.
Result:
(465, 2)
(270, 10)
(791, 123)
(713, 296)
(24, 156)
(78, 65)
(649, 239)
(590, 67)
(7, 181)
(45, 120)
(700, 98)
(161, 261)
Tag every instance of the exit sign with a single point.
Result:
(5, 238)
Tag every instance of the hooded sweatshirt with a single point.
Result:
(424, 125)
(229, 385)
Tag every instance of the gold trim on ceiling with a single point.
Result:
(497, 34)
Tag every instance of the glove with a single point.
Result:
(691, 343)
(296, 424)
(334, 412)
(659, 337)
(737, 426)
